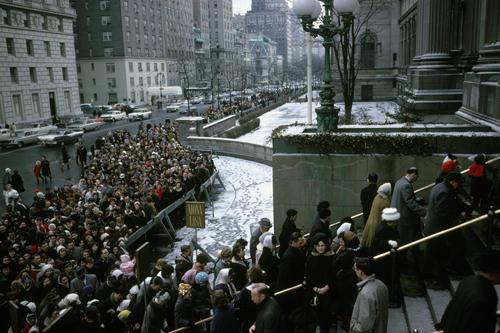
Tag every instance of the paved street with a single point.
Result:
(24, 159)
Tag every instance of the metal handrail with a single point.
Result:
(382, 255)
(426, 187)
(437, 234)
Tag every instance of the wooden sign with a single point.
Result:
(195, 214)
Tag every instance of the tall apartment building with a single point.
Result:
(38, 79)
(201, 31)
(120, 50)
(179, 40)
(221, 31)
(272, 18)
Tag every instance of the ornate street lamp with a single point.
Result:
(308, 12)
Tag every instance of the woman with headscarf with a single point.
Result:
(184, 312)
(225, 283)
(287, 230)
(382, 200)
(268, 260)
(319, 273)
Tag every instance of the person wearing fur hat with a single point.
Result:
(288, 228)
(322, 224)
(319, 280)
(386, 238)
(381, 201)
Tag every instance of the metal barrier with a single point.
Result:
(382, 255)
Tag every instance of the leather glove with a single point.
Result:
(393, 244)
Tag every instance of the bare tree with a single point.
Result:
(345, 50)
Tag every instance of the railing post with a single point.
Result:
(489, 228)
(392, 293)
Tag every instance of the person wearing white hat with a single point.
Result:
(382, 200)
(386, 238)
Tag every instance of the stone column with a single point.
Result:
(435, 80)
(469, 27)
(482, 85)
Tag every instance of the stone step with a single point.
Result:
(437, 301)
(397, 321)
(419, 315)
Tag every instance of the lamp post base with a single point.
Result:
(327, 118)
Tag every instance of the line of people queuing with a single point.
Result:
(63, 256)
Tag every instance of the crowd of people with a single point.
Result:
(65, 267)
(66, 248)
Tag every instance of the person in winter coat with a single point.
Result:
(268, 260)
(322, 225)
(442, 213)
(409, 226)
(287, 230)
(319, 280)
(386, 238)
(264, 226)
(183, 262)
(268, 310)
(37, 171)
(344, 284)
(156, 314)
(224, 283)
(291, 272)
(7, 177)
(370, 313)
(184, 311)
(17, 182)
(239, 266)
(225, 319)
(246, 309)
(479, 186)
(45, 169)
(368, 194)
(223, 261)
(64, 157)
(201, 296)
(381, 201)
(474, 304)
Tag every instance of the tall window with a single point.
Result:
(107, 36)
(14, 77)
(368, 53)
(33, 77)
(131, 67)
(67, 100)
(105, 20)
(50, 72)
(139, 66)
(104, 5)
(29, 47)
(110, 67)
(132, 82)
(11, 48)
(47, 48)
(111, 82)
(62, 49)
(108, 52)
(35, 101)
(65, 73)
(17, 106)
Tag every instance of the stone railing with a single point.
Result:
(221, 125)
(229, 147)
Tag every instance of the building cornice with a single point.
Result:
(41, 8)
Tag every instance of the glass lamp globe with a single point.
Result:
(303, 7)
(317, 10)
(345, 6)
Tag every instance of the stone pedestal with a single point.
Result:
(482, 85)
(435, 81)
(189, 126)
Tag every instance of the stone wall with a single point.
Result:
(300, 181)
(216, 127)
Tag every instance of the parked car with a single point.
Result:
(20, 139)
(174, 107)
(42, 129)
(183, 108)
(88, 108)
(114, 115)
(140, 114)
(86, 125)
(56, 137)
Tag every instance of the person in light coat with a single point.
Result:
(382, 200)
(370, 313)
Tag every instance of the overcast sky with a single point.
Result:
(241, 6)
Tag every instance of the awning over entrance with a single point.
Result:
(165, 91)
